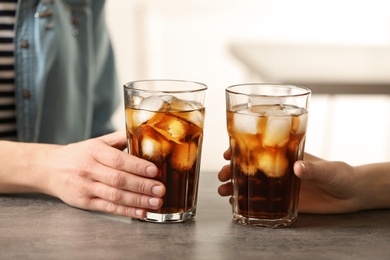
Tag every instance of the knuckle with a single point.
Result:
(110, 207)
(142, 186)
(84, 203)
(137, 166)
(117, 161)
(82, 173)
(117, 180)
(128, 212)
(137, 202)
(114, 195)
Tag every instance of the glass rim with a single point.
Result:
(305, 91)
(201, 86)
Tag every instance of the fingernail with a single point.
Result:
(139, 212)
(154, 202)
(157, 190)
(303, 165)
(151, 171)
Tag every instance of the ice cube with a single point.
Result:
(276, 112)
(246, 143)
(182, 105)
(273, 163)
(188, 110)
(277, 132)
(153, 145)
(153, 149)
(196, 117)
(242, 146)
(263, 109)
(299, 124)
(184, 156)
(147, 109)
(149, 148)
(246, 122)
(167, 98)
(293, 110)
(153, 103)
(247, 168)
(172, 128)
(264, 101)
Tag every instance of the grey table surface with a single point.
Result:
(42, 227)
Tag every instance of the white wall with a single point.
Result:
(190, 40)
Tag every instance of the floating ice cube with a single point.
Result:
(277, 132)
(246, 122)
(276, 112)
(256, 101)
(273, 163)
(184, 156)
(247, 167)
(246, 143)
(153, 145)
(147, 109)
(152, 103)
(172, 128)
(263, 109)
(150, 148)
(167, 98)
(193, 114)
(135, 100)
(242, 146)
(196, 117)
(182, 105)
(293, 110)
(299, 124)
(141, 116)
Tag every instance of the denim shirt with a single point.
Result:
(66, 88)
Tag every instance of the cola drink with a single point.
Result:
(266, 139)
(168, 131)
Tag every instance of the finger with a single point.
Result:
(112, 208)
(119, 160)
(226, 154)
(320, 171)
(125, 198)
(129, 182)
(226, 189)
(309, 157)
(225, 173)
(116, 139)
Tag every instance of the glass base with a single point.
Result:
(168, 217)
(271, 223)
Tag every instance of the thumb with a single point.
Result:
(320, 171)
(116, 139)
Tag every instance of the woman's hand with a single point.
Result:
(94, 175)
(330, 187)
(327, 187)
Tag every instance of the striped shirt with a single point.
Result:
(7, 73)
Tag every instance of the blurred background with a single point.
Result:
(338, 48)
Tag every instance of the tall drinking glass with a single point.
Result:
(267, 125)
(164, 123)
